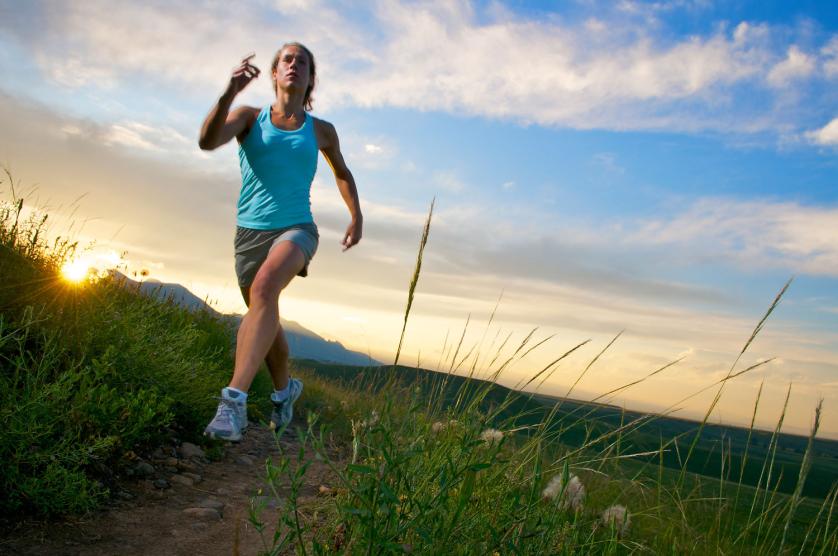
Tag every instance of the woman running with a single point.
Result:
(275, 236)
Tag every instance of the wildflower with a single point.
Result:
(438, 427)
(617, 516)
(372, 421)
(571, 496)
(491, 436)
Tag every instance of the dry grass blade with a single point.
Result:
(459, 344)
(804, 471)
(494, 376)
(415, 279)
(486, 331)
(639, 380)
(747, 448)
(730, 373)
(551, 364)
(591, 364)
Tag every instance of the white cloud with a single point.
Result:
(130, 135)
(757, 234)
(160, 141)
(796, 65)
(827, 135)
(608, 162)
(449, 181)
(373, 149)
(74, 72)
(608, 72)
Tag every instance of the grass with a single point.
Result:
(441, 465)
(91, 374)
(422, 463)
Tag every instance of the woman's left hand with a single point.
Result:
(353, 233)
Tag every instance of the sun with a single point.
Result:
(75, 271)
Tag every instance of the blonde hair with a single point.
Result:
(312, 72)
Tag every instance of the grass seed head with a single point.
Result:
(617, 516)
(491, 436)
(572, 496)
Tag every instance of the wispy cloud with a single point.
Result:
(603, 72)
(759, 233)
(827, 135)
(796, 65)
(143, 136)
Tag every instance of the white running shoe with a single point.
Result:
(283, 410)
(230, 419)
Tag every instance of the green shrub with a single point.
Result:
(90, 372)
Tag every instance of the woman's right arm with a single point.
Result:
(221, 125)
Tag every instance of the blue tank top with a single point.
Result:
(277, 168)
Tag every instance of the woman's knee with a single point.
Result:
(262, 292)
(283, 263)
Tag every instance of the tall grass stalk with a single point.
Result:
(804, 471)
(415, 280)
(768, 465)
(730, 372)
(744, 462)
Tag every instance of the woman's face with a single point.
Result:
(293, 72)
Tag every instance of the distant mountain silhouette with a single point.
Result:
(303, 343)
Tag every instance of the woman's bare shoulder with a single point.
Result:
(248, 114)
(322, 124)
(326, 133)
(247, 111)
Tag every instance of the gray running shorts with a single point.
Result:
(252, 248)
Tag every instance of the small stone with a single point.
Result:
(161, 484)
(125, 495)
(205, 514)
(221, 491)
(170, 462)
(181, 480)
(244, 460)
(144, 469)
(211, 503)
(187, 466)
(171, 470)
(199, 526)
(194, 476)
(189, 450)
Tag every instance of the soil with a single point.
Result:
(209, 517)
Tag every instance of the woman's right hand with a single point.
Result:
(243, 74)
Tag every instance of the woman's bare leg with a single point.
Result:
(277, 358)
(260, 329)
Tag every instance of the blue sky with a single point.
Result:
(658, 167)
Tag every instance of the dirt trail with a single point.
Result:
(182, 519)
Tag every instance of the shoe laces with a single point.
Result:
(227, 409)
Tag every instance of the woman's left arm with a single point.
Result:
(327, 139)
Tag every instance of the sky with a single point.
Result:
(659, 169)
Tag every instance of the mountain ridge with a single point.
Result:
(302, 342)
